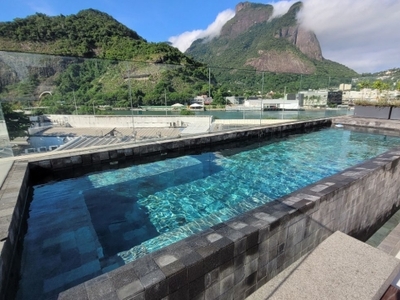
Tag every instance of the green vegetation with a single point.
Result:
(82, 34)
(100, 63)
(17, 122)
(230, 57)
(186, 112)
(130, 71)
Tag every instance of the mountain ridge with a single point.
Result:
(253, 39)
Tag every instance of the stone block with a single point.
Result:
(339, 268)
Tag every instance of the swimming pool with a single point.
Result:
(83, 227)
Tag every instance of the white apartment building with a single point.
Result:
(315, 98)
(279, 104)
(369, 95)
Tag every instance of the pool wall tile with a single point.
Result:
(253, 247)
(14, 193)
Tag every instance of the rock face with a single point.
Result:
(253, 38)
(247, 15)
(305, 40)
(15, 67)
(277, 62)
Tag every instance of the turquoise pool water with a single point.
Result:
(83, 227)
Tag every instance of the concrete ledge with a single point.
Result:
(341, 267)
(368, 122)
(5, 166)
(391, 244)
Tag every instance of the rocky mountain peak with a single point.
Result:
(241, 6)
(284, 27)
(247, 15)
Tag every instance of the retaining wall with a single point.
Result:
(87, 121)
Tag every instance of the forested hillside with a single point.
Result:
(99, 62)
(79, 63)
(278, 47)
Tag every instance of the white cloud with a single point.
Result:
(281, 7)
(361, 34)
(184, 40)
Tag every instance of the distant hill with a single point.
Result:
(391, 76)
(89, 33)
(130, 67)
(255, 41)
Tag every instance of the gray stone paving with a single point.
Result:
(339, 268)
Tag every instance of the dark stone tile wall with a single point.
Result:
(13, 213)
(76, 160)
(232, 259)
(14, 192)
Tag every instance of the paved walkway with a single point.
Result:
(339, 268)
(298, 277)
(5, 166)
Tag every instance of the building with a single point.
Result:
(235, 100)
(272, 104)
(335, 98)
(315, 98)
(202, 100)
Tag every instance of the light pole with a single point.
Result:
(130, 98)
(165, 97)
(301, 79)
(76, 107)
(209, 83)
(262, 93)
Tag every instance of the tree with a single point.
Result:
(380, 86)
(17, 122)
(363, 85)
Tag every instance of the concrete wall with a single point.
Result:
(85, 121)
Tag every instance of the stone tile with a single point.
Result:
(155, 285)
(144, 265)
(211, 278)
(152, 278)
(130, 290)
(210, 256)
(77, 293)
(181, 294)
(177, 279)
(213, 292)
(227, 268)
(165, 260)
(99, 287)
(122, 277)
(196, 270)
(196, 288)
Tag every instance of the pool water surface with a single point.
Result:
(83, 227)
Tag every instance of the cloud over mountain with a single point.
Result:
(184, 40)
(361, 34)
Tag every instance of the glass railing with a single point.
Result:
(55, 103)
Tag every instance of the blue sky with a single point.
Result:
(361, 34)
